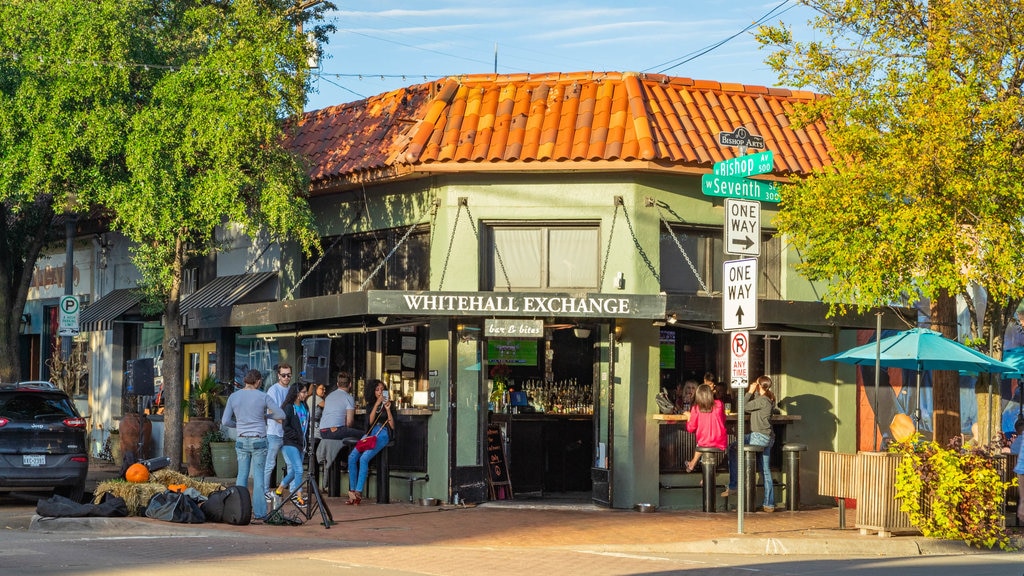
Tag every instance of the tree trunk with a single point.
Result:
(945, 383)
(174, 388)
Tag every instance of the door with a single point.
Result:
(200, 362)
(467, 416)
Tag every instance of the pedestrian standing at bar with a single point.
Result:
(247, 411)
(707, 422)
(275, 433)
(760, 401)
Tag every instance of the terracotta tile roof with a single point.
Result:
(553, 121)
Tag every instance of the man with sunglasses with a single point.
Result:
(275, 431)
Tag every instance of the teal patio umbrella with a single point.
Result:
(920, 349)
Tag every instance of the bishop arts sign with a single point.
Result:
(520, 304)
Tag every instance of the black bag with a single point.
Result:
(60, 507)
(233, 505)
(175, 507)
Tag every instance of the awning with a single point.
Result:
(101, 315)
(226, 291)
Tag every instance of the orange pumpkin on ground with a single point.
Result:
(137, 473)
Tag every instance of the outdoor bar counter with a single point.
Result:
(676, 445)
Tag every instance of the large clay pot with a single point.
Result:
(130, 430)
(192, 439)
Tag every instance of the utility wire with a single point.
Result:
(677, 62)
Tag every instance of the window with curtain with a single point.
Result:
(703, 249)
(552, 256)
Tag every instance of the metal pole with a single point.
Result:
(69, 272)
(878, 376)
(741, 496)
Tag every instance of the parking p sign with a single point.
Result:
(69, 307)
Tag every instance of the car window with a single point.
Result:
(35, 406)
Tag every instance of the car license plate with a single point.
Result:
(33, 460)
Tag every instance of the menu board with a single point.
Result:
(497, 465)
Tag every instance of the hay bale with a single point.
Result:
(167, 476)
(137, 495)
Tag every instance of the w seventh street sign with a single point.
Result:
(744, 188)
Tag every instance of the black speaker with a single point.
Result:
(316, 360)
(138, 378)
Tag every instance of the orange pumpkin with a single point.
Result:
(176, 487)
(137, 473)
(902, 427)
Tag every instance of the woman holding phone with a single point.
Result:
(381, 427)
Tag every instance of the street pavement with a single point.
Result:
(537, 524)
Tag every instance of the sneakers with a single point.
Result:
(728, 492)
(768, 509)
(297, 499)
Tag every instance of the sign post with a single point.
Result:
(739, 290)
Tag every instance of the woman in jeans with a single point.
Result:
(760, 402)
(296, 422)
(247, 411)
(359, 462)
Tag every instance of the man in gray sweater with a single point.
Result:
(247, 411)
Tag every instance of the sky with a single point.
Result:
(382, 45)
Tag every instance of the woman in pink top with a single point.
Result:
(707, 421)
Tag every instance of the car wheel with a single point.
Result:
(75, 492)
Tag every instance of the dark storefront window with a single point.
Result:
(348, 262)
(703, 249)
(543, 257)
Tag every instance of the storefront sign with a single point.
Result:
(518, 304)
(506, 328)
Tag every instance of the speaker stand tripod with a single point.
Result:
(314, 500)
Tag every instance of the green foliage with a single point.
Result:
(205, 455)
(926, 187)
(204, 396)
(952, 493)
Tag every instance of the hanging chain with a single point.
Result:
(501, 263)
(608, 250)
(405, 237)
(682, 251)
(639, 248)
(451, 242)
(288, 295)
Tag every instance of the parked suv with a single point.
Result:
(42, 440)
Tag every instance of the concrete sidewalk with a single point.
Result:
(541, 524)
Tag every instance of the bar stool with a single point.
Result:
(709, 458)
(791, 452)
(750, 455)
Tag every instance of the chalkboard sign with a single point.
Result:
(497, 465)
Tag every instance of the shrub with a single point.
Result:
(952, 493)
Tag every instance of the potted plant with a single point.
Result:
(217, 453)
(201, 400)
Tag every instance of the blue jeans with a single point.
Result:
(293, 458)
(359, 462)
(756, 439)
(252, 457)
(274, 444)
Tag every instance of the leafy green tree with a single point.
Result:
(169, 117)
(205, 150)
(63, 116)
(924, 197)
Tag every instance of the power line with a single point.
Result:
(677, 62)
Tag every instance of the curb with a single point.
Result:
(123, 526)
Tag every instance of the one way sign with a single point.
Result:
(739, 294)
(742, 227)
